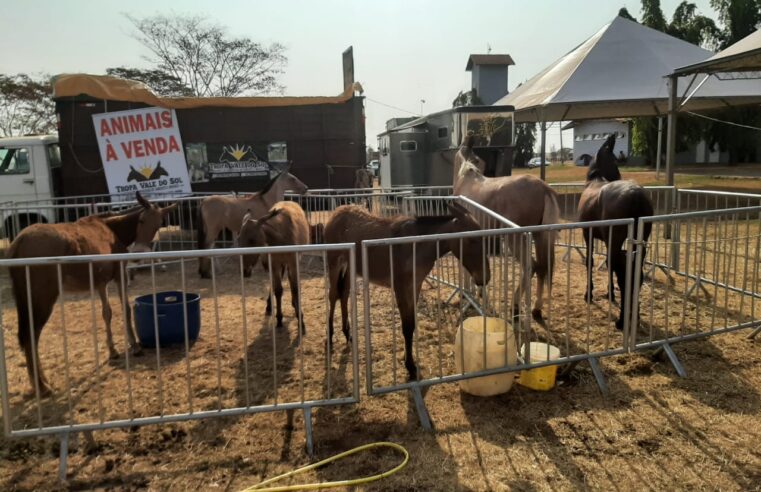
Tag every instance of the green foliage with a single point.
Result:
(525, 138)
(163, 83)
(652, 15)
(625, 14)
(692, 27)
(740, 18)
(467, 98)
(26, 106)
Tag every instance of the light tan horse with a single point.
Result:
(131, 231)
(219, 212)
(284, 225)
(525, 200)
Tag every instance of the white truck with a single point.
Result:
(27, 167)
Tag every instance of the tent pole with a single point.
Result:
(671, 133)
(542, 169)
(660, 145)
(561, 142)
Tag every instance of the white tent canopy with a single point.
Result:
(620, 72)
(744, 55)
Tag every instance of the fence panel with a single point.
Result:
(242, 363)
(700, 274)
(448, 296)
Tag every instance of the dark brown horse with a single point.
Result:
(130, 231)
(607, 197)
(353, 224)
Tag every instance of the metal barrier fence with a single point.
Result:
(711, 288)
(240, 364)
(582, 331)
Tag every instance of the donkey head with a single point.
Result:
(149, 222)
(251, 235)
(472, 254)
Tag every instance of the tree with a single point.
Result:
(740, 18)
(26, 106)
(164, 84)
(692, 27)
(525, 138)
(467, 98)
(626, 15)
(205, 58)
(652, 15)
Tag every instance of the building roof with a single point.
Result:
(620, 72)
(743, 56)
(116, 89)
(488, 60)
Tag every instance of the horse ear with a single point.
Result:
(142, 201)
(170, 208)
(246, 218)
(457, 210)
(468, 141)
(269, 215)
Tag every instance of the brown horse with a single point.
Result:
(607, 197)
(219, 212)
(525, 200)
(285, 224)
(353, 224)
(129, 231)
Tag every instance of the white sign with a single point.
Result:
(141, 151)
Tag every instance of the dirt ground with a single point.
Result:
(653, 430)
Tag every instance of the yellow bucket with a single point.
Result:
(542, 378)
(471, 348)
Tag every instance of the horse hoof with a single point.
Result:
(268, 310)
(588, 298)
(137, 350)
(279, 325)
(619, 324)
(113, 354)
(204, 275)
(537, 314)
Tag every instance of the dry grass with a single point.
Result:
(653, 431)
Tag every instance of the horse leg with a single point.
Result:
(41, 306)
(210, 237)
(590, 243)
(277, 286)
(525, 279)
(345, 308)
(106, 313)
(407, 315)
(293, 281)
(619, 265)
(134, 344)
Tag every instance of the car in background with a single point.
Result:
(537, 162)
(374, 167)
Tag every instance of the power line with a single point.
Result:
(393, 107)
(723, 121)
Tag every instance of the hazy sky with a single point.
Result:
(404, 51)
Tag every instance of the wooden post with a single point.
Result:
(671, 132)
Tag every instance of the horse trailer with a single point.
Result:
(420, 151)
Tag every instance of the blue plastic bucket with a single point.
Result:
(170, 312)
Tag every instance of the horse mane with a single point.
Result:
(466, 167)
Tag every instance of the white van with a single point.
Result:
(26, 165)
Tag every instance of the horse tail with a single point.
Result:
(201, 230)
(545, 242)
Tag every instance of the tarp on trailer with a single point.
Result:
(620, 72)
(109, 88)
(743, 56)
